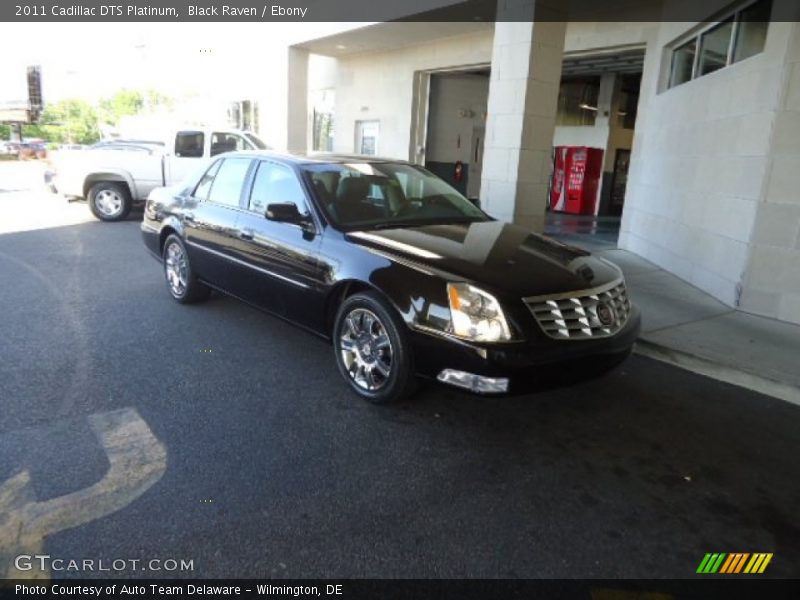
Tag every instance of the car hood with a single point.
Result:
(494, 254)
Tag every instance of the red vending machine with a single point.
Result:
(576, 178)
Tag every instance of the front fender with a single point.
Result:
(418, 293)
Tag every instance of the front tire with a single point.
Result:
(110, 201)
(372, 349)
(182, 282)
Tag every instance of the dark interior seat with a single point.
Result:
(351, 203)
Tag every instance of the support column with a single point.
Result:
(284, 121)
(523, 96)
(297, 107)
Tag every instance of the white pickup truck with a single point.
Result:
(114, 175)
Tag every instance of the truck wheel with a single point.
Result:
(110, 201)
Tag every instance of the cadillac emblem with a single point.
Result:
(605, 314)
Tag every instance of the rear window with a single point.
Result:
(189, 144)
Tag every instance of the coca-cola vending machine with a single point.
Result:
(576, 178)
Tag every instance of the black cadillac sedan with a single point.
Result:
(407, 277)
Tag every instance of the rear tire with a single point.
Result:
(372, 349)
(110, 201)
(182, 283)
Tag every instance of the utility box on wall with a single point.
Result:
(577, 171)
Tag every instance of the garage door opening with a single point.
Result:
(592, 146)
(454, 126)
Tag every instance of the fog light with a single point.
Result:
(474, 383)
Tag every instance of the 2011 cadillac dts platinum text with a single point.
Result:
(406, 276)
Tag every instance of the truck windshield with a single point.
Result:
(256, 141)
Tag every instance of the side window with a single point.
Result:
(189, 144)
(204, 185)
(228, 142)
(276, 183)
(227, 186)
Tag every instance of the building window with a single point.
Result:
(739, 36)
(322, 136)
(682, 63)
(752, 30)
(577, 101)
(714, 45)
(324, 104)
(367, 137)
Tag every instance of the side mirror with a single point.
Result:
(284, 212)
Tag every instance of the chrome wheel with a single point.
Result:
(109, 202)
(366, 349)
(175, 268)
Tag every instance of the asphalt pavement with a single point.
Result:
(274, 469)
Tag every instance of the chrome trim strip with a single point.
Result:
(576, 293)
(475, 345)
(244, 264)
(393, 257)
(393, 244)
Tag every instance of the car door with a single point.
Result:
(285, 255)
(185, 156)
(209, 217)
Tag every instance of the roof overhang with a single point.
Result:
(380, 37)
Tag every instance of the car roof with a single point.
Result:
(301, 158)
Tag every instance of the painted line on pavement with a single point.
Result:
(137, 460)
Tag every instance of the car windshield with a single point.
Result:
(362, 195)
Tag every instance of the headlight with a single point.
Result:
(476, 315)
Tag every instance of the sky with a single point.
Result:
(92, 60)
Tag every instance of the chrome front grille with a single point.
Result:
(587, 314)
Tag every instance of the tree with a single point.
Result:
(131, 102)
(76, 121)
(70, 121)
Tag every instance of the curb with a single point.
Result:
(718, 371)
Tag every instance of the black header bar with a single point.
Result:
(700, 588)
(282, 11)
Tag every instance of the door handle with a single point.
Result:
(245, 234)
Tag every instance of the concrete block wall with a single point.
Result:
(772, 282)
(379, 86)
(701, 155)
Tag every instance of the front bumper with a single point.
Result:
(525, 365)
(151, 239)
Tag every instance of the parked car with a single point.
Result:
(406, 276)
(115, 174)
(9, 148)
(32, 149)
